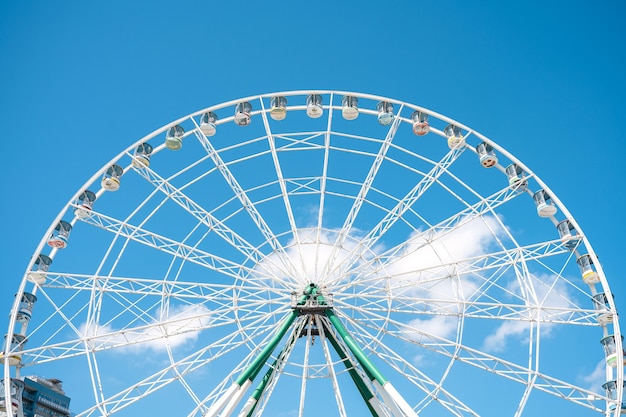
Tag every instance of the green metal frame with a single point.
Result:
(313, 294)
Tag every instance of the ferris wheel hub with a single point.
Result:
(311, 300)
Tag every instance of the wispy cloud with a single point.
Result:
(177, 326)
(441, 326)
(596, 378)
(426, 273)
(550, 297)
(441, 287)
(313, 258)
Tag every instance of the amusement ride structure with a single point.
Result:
(312, 252)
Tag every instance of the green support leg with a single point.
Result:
(388, 390)
(363, 360)
(255, 367)
(236, 391)
(364, 390)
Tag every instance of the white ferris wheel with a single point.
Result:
(312, 252)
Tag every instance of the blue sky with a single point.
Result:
(80, 81)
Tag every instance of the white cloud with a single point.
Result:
(425, 275)
(496, 342)
(469, 240)
(413, 273)
(179, 326)
(418, 271)
(314, 258)
(440, 326)
(549, 299)
(596, 378)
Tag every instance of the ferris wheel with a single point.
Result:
(312, 252)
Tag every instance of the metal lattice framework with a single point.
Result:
(342, 252)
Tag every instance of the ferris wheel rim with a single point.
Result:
(329, 107)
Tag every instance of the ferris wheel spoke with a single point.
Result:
(175, 248)
(424, 306)
(323, 184)
(468, 265)
(205, 217)
(183, 367)
(432, 390)
(245, 201)
(182, 290)
(493, 364)
(181, 378)
(104, 336)
(477, 276)
(404, 204)
(362, 195)
(441, 229)
(436, 391)
(283, 189)
(67, 321)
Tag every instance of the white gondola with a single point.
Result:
(208, 122)
(25, 308)
(515, 174)
(314, 107)
(610, 351)
(589, 274)
(174, 138)
(486, 155)
(454, 136)
(84, 204)
(278, 108)
(141, 158)
(611, 392)
(111, 178)
(60, 235)
(420, 123)
(545, 205)
(568, 234)
(349, 107)
(385, 113)
(16, 344)
(16, 389)
(40, 269)
(603, 310)
(243, 113)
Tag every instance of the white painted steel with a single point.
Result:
(191, 264)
